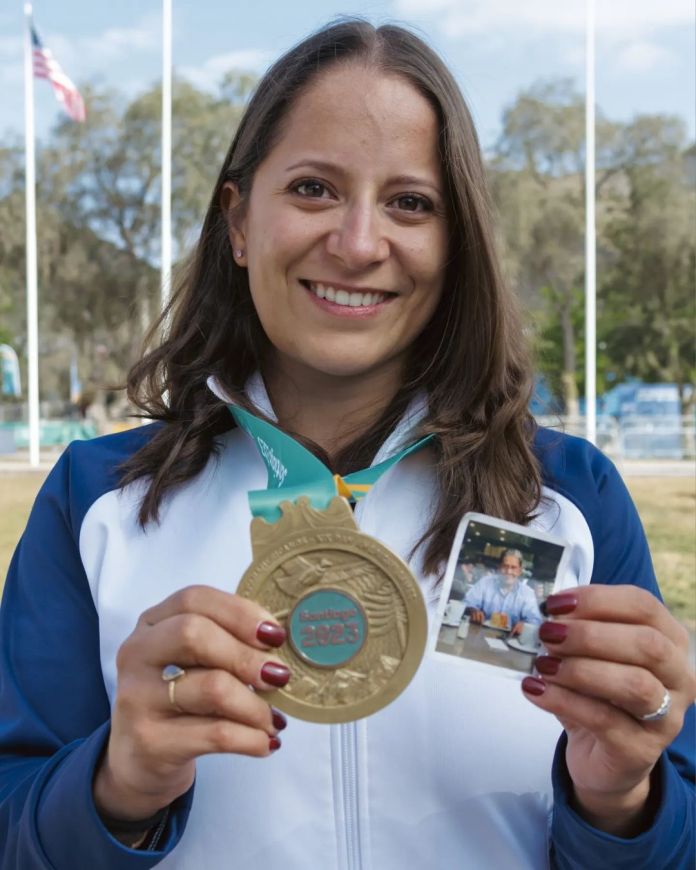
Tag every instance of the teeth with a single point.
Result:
(343, 297)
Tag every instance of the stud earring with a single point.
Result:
(238, 253)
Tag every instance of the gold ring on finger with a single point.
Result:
(171, 674)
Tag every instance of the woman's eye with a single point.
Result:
(310, 188)
(413, 202)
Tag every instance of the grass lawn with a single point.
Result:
(17, 492)
(667, 506)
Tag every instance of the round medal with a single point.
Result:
(354, 613)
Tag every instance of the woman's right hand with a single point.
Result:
(476, 616)
(222, 641)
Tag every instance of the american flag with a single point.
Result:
(47, 67)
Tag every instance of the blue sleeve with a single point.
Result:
(54, 711)
(588, 478)
(667, 845)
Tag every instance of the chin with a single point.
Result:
(347, 360)
(341, 368)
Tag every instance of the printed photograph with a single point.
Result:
(490, 605)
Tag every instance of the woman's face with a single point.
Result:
(344, 232)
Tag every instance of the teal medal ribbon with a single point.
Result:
(293, 471)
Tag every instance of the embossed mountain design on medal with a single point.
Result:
(354, 613)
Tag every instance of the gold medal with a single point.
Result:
(353, 611)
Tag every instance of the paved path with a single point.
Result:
(19, 462)
(657, 467)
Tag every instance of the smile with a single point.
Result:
(346, 298)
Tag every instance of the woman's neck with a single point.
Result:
(329, 410)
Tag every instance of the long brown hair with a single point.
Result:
(471, 359)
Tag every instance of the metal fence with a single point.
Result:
(636, 437)
(631, 437)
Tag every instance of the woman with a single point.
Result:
(347, 244)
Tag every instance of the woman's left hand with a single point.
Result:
(614, 652)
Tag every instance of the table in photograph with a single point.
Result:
(474, 646)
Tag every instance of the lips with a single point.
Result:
(348, 298)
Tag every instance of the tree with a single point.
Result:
(646, 292)
(645, 220)
(537, 166)
(98, 196)
(12, 243)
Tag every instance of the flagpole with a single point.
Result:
(166, 246)
(32, 280)
(590, 232)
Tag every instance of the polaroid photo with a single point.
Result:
(497, 576)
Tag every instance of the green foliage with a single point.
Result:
(98, 223)
(646, 252)
(98, 205)
(646, 292)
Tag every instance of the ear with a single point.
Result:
(230, 202)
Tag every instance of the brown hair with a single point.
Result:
(471, 358)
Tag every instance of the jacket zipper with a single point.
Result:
(349, 787)
(348, 764)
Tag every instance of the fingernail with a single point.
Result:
(274, 674)
(271, 634)
(553, 632)
(562, 602)
(274, 743)
(533, 686)
(279, 721)
(548, 665)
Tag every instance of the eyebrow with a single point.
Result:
(326, 166)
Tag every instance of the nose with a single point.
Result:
(359, 241)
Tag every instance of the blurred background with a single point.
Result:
(521, 68)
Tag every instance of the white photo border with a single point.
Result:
(495, 522)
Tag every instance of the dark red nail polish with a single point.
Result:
(562, 602)
(548, 665)
(275, 675)
(279, 721)
(553, 632)
(533, 686)
(274, 743)
(271, 634)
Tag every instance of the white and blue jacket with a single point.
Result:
(461, 771)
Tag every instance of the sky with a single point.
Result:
(646, 57)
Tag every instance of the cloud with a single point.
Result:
(627, 17)
(109, 54)
(208, 75)
(11, 61)
(11, 47)
(87, 55)
(640, 57)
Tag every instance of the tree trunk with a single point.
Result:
(568, 378)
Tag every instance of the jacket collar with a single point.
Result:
(402, 434)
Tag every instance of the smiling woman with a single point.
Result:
(345, 291)
(340, 185)
(346, 264)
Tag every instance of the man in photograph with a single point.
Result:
(502, 598)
